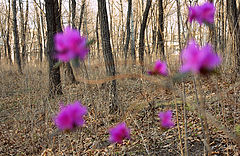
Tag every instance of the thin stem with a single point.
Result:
(178, 127)
(197, 87)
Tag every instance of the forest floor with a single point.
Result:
(27, 128)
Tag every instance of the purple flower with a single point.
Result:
(198, 60)
(70, 116)
(118, 133)
(166, 119)
(70, 44)
(159, 68)
(202, 14)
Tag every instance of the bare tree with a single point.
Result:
(81, 14)
(39, 35)
(23, 23)
(73, 12)
(233, 16)
(107, 53)
(52, 13)
(7, 35)
(16, 38)
(142, 32)
(128, 29)
(97, 35)
(133, 52)
(160, 42)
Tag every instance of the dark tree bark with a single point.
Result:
(212, 33)
(233, 16)
(107, 53)
(16, 38)
(73, 12)
(52, 17)
(69, 70)
(97, 36)
(81, 14)
(142, 32)
(128, 30)
(7, 36)
(160, 42)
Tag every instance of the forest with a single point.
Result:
(120, 77)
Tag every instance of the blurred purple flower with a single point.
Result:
(70, 44)
(166, 119)
(198, 60)
(160, 68)
(202, 14)
(119, 132)
(70, 116)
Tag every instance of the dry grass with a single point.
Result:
(26, 114)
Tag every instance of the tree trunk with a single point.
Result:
(160, 43)
(142, 32)
(233, 16)
(23, 28)
(107, 53)
(97, 36)
(8, 27)
(39, 35)
(212, 33)
(42, 30)
(73, 13)
(81, 14)
(128, 30)
(133, 52)
(52, 28)
(16, 38)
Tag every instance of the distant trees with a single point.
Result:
(133, 28)
(107, 53)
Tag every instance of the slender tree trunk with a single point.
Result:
(133, 52)
(142, 32)
(128, 30)
(81, 14)
(68, 73)
(39, 35)
(52, 13)
(97, 36)
(73, 12)
(23, 28)
(16, 38)
(107, 53)
(160, 43)
(212, 34)
(42, 30)
(233, 16)
(7, 36)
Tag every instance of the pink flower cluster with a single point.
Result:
(202, 13)
(70, 116)
(70, 45)
(118, 133)
(199, 60)
(160, 68)
(166, 119)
